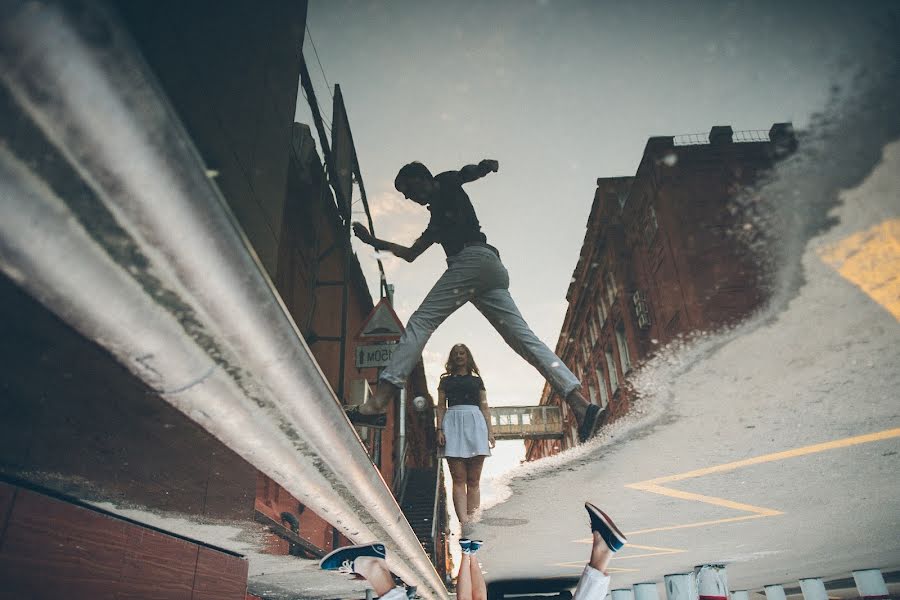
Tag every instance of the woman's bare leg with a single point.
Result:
(479, 587)
(473, 484)
(464, 579)
(458, 475)
(376, 572)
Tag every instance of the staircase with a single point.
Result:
(418, 506)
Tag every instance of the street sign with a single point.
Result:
(382, 324)
(374, 355)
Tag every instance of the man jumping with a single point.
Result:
(474, 274)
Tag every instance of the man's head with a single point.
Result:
(415, 182)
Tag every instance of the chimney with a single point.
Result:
(720, 134)
(658, 146)
(783, 139)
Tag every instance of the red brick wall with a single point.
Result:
(50, 548)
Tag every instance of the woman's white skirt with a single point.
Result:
(465, 432)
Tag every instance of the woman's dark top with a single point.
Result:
(461, 389)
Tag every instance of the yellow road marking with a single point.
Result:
(575, 564)
(871, 260)
(652, 485)
(654, 551)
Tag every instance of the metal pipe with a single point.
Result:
(109, 220)
(401, 436)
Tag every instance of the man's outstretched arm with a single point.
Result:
(408, 254)
(472, 172)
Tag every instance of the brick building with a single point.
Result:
(660, 259)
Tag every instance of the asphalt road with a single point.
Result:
(774, 448)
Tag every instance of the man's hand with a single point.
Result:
(362, 233)
(489, 164)
(491, 440)
(441, 440)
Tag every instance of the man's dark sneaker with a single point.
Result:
(465, 545)
(342, 559)
(588, 423)
(378, 421)
(474, 545)
(601, 523)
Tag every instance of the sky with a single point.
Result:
(560, 93)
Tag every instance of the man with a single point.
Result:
(367, 561)
(474, 274)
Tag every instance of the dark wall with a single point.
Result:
(50, 548)
(76, 421)
(231, 71)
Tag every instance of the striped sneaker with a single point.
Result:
(601, 523)
(466, 545)
(341, 560)
(475, 545)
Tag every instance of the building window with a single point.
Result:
(623, 347)
(592, 326)
(611, 367)
(651, 225)
(585, 348)
(611, 290)
(593, 393)
(601, 308)
(601, 382)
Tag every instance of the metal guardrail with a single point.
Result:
(109, 220)
(530, 422)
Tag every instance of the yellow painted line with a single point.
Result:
(664, 491)
(683, 526)
(580, 565)
(654, 551)
(652, 485)
(813, 449)
(696, 524)
(871, 260)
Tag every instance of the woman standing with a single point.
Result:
(464, 428)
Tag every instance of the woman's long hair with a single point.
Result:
(471, 367)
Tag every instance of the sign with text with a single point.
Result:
(374, 355)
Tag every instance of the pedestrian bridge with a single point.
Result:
(526, 422)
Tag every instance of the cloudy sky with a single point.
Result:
(560, 92)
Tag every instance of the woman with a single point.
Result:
(464, 428)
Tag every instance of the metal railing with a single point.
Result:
(143, 256)
(744, 136)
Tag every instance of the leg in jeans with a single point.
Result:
(499, 308)
(451, 291)
(594, 582)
